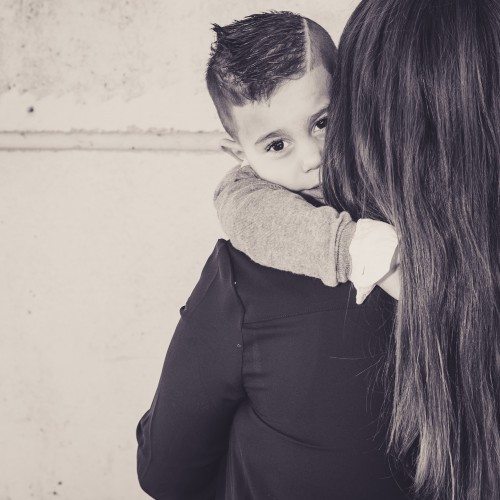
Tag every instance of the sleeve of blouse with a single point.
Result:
(183, 437)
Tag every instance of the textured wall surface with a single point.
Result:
(106, 219)
(99, 252)
(120, 64)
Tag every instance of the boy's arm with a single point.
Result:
(278, 228)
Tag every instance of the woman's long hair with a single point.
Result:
(414, 139)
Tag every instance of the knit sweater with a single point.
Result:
(283, 229)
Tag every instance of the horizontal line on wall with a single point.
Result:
(110, 141)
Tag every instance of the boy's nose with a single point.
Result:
(312, 158)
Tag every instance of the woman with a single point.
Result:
(415, 136)
(271, 387)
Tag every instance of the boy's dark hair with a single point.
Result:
(250, 58)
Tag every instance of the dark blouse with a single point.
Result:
(270, 389)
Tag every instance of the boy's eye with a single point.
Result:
(276, 146)
(321, 124)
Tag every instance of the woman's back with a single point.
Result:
(270, 389)
(311, 425)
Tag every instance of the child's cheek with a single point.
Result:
(260, 165)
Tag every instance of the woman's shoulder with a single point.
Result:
(214, 292)
(267, 293)
(233, 284)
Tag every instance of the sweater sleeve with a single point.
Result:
(183, 437)
(278, 228)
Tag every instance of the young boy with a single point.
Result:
(269, 76)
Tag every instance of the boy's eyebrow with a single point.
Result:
(318, 114)
(274, 133)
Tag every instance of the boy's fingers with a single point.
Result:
(362, 293)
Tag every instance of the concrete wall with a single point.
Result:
(107, 166)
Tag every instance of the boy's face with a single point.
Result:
(283, 138)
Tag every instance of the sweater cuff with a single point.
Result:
(344, 263)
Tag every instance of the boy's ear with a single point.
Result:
(233, 148)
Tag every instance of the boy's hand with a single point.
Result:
(374, 255)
